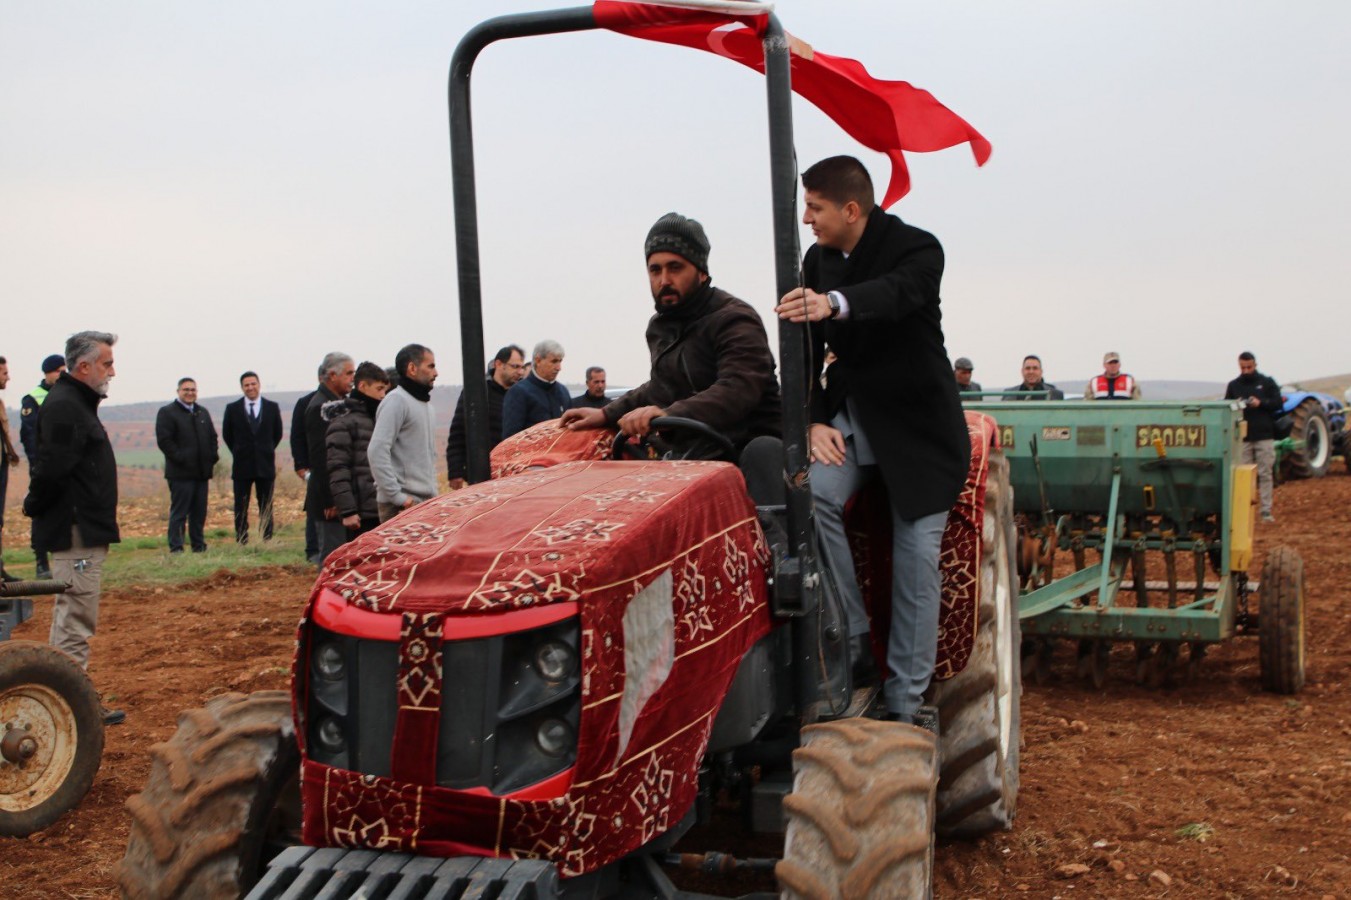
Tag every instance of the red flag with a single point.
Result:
(887, 116)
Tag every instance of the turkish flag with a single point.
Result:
(887, 116)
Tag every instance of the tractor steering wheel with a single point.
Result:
(702, 442)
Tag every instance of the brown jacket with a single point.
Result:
(710, 362)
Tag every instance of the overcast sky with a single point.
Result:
(251, 184)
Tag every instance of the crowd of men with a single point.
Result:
(364, 440)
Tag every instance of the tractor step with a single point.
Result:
(335, 874)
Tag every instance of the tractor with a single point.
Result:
(51, 722)
(1312, 429)
(535, 686)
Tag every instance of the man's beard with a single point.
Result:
(101, 387)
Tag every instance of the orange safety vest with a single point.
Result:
(1119, 388)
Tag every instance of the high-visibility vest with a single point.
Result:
(1119, 388)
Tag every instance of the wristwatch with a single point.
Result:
(833, 298)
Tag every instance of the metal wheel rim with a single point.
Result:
(1316, 442)
(1004, 652)
(51, 722)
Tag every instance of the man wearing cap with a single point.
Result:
(710, 355)
(1112, 384)
(961, 370)
(30, 407)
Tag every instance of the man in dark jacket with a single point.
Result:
(889, 410)
(335, 382)
(350, 425)
(1034, 384)
(1260, 397)
(538, 397)
(300, 460)
(251, 428)
(9, 457)
(31, 409)
(187, 437)
(72, 492)
(710, 355)
(507, 368)
(594, 395)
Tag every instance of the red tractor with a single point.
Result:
(535, 686)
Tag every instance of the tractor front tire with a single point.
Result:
(51, 726)
(861, 814)
(1280, 623)
(979, 708)
(222, 798)
(1309, 423)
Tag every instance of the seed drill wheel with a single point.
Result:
(222, 799)
(978, 708)
(1309, 423)
(1280, 631)
(52, 740)
(861, 814)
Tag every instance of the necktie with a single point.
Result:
(253, 412)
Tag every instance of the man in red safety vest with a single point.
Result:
(1112, 384)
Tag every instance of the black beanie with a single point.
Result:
(676, 234)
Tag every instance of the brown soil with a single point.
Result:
(1111, 779)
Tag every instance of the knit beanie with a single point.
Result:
(673, 233)
(52, 363)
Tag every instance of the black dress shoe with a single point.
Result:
(113, 716)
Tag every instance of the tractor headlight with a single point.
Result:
(329, 661)
(330, 735)
(555, 737)
(555, 660)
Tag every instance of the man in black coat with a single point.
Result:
(1260, 397)
(1034, 384)
(336, 374)
(72, 492)
(300, 460)
(594, 395)
(251, 428)
(52, 367)
(187, 438)
(507, 368)
(890, 409)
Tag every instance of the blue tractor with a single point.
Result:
(1317, 428)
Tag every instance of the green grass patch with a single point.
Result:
(1196, 831)
(147, 560)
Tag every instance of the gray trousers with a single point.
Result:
(332, 535)
(1263, 454)
(916, 585)
(75, 614)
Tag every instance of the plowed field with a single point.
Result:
(1208, 788)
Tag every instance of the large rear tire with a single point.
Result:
(222, 799)
(1280, 624)
(1309, 423)
(979, 708)
(860, 817)
(51, 736)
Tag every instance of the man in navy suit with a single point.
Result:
(252, 430)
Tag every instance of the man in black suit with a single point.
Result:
(889, 409)
(300, 458)
(187, 437)
(252, 430)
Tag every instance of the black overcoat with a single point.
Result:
(254, 450)
(891, 361)
(74, 477)
(188, 441)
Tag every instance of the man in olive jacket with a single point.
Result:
(710, 355)
(889, 409)
(187, 438)
(72, 492)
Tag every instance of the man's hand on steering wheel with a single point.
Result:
(638, 422)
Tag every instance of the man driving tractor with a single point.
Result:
(710, 355)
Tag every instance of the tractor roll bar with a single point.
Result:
(802, 568)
